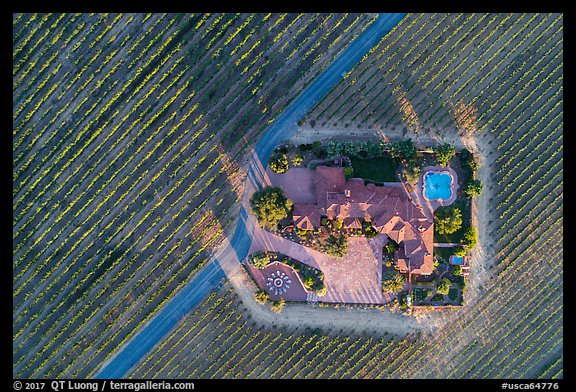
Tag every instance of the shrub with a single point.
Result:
(402, 301)
(348, 172)
(278, 163)
(469, 238)
(303, 232)
(260, 259)
(412, 173)
(391, 246)
(277, 306)
(370, 232)
(444, 153)
(337, 246)
(283, 149)
(453, 294)
(457, 270)
(308, 282)
(467, 160)
(421, 294)
(437, 297)
(460, 251)
(443, 286)
(261, 296)
(323, 221)
(473, 188)
(447, 220)
(297, 160)
(393, 283)
(338, 224)
(320, 152)
(270, 205)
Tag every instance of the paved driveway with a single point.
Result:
(297, 184)
(355, 278)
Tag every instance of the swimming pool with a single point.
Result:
(457, 260)
(437, 185)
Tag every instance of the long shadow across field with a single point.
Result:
(211, 275)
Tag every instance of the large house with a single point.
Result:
(388, 208)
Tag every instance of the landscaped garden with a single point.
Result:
(312, 278)
(378, 163)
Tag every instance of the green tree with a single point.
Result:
(467, 160)
(469, 239)
(278, 305)
(337, 246)
(335, 148)
(447, 220)
(260, 259)
(460, 251)
(278, 163)
(403, 150)
(393, 283)
(412, 172)
(457, 270)
(443, 286)
(472, 188)
(270, 205)
(444, 153)
(297, 160)
(261, 296)
(338, 224)
(372, 149)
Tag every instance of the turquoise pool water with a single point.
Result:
(437, 185)
(457, 260)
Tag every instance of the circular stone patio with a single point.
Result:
(280, 281)
(435, 203)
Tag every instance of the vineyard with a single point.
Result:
(495, 78)
(130, 139)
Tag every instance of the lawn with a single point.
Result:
(443, 252)
(380, 169)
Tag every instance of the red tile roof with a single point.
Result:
(306, 216)
(388, 207)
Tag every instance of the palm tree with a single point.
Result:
(393, 283)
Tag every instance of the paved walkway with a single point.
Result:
(445, 244)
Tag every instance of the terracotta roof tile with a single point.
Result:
(389, 207)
